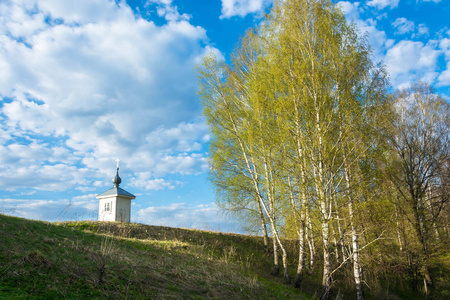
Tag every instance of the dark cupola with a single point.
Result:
(117, 180)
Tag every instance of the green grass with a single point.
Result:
(99, 260)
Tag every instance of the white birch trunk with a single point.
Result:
(355, 244)
(264, 228)
(272, 218)
(325, 210)
(303, 209)
(301, 243)
(311, 245)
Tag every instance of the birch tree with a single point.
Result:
(235, 109)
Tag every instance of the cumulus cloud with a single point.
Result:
(87, 81)
(166, 10)
(380, 4)
(241, 8)
(350, 9)
(406, 60)
(422, 30)
(403, 26)
(144, 180)
(444, 77)
(409, 60)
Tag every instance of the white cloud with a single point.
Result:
(58, 177)
(22, 23)
(241, 8)
(180, 138)
(380, 4)
(444, 77)
(444, 45)
(183, 163)
(89, 81)
(423, 30)
(403, 26)
(350, 10)
(144, 180)
(405, 60)
(408, 61)
(167, 10)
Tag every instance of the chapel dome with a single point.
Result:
(116, 180)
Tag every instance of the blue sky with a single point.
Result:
(84, 82)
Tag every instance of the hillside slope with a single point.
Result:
(86, 260)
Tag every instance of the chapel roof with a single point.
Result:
(116, 191)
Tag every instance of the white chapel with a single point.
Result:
(115, 203)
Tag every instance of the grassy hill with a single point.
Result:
(86, 260)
